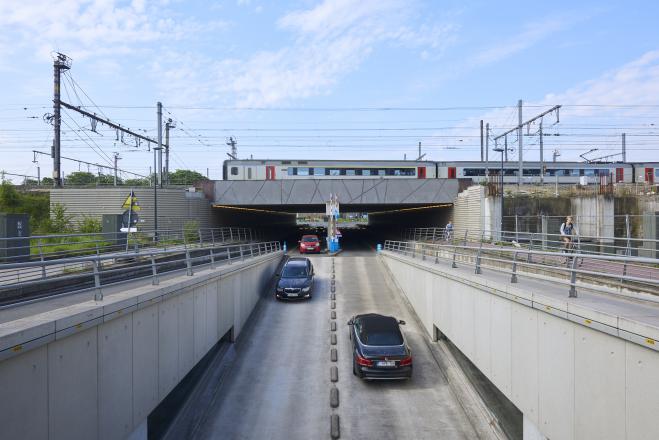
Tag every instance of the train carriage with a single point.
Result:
(327, 169)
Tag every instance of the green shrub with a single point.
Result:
(191, 231)
(90, 225)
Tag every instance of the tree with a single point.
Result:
(108, 179)
(137, 182)
(47, 181)
(186, 177)
(80, 178)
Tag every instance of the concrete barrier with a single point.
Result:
(575, 372)
(97, 369)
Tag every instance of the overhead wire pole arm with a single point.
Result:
(107, 122)
(98, 165)
(535, 118)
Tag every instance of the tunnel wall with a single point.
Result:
(97, 369)
(575, 373)
(389, 225)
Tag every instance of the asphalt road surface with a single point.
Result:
(279, 386)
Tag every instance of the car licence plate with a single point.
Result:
(292, 294)
(386, 363)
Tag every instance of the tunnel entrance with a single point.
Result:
(364, 226)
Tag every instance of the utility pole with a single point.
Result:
(520, 141)
(234, 150)
(487, 150)
(168, 125)
(505, 139)
(116, 158)
(482, 153)
(624, 148)
(62, 62)
(159, 169)
(542, 157)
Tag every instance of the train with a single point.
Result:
(534, 172)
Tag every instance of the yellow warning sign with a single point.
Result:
(131, 202)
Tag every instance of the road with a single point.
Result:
(279, 386)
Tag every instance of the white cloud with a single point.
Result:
(330, 41)
(84, 28)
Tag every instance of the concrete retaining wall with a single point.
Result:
(572, 381)
(96, 370)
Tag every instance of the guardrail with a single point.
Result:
(586, 244)
(635, 273)
(100, 270)
(47, 247)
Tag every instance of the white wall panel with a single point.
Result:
(556, 369)
(212, 335)
(115, 384)
(524, 363)
(25, 379)
(467, 322)
(200, 343)
(167, 346)
(642, 404)
(185, 333)
(73, 386)
(145, 362)
(501, 345)
(482, 324)
(595, 416)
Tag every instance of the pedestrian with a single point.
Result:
(567, 230)
(448, 230)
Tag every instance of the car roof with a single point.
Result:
(376, 322)
(297, 261)
(310, 236)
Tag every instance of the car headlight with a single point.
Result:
(306, 289)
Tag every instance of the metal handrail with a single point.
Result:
(507, 259)
(44, 247)
(82, 268)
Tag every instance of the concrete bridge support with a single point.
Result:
(97, 369)
(574, 372)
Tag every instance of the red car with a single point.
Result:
(309, 243)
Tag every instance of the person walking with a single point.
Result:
(448, 231)
(567, 230)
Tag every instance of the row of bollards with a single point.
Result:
(335, 431)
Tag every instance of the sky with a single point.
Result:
(332, 79)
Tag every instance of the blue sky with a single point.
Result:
(329, 79)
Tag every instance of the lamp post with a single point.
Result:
(501, 150)
(156, 150)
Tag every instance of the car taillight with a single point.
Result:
(406, 361)
(364, 362)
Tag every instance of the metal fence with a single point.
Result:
(37, 279)
(612, 273)
(625, 245)
(48, 247)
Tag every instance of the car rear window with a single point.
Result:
(294, 271)
(379, 331)
(309, 239)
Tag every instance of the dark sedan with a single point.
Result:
(379, 348)
(295, 280)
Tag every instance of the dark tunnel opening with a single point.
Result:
(385, 222)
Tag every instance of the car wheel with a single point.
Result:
(355, 371)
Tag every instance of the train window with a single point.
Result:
(350, 172)
(531, 171)
(234, 171)
(318, 171)
(470, 172)
(334, 172)
(510, 172)
(381, 173)
(292, 171)
(303, 171)
(249, 173)
(366, 172)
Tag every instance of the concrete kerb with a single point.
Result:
(334, 397)
(334, 373)
(333, 326)
(335, 431)
(333, 339)
(334, 355)
(333, 315)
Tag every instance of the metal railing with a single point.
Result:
(617, 272)
(585, 244)
(73, 274)
(48, 247)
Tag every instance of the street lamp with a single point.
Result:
(155, 193)
(501, 150)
